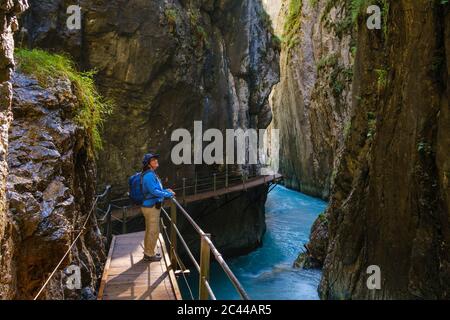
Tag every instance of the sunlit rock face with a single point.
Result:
(50, 189)
(371, 139)
(273, 8)
(9, 10)
(311, 104)
(46, 181)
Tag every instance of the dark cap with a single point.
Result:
(148, 157)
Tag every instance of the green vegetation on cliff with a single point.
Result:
(357, 7)
(293, 23)
(45, 66)
(341, 21)
(171, 16)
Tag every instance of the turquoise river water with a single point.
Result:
(267, 272)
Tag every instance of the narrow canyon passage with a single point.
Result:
(357, 91)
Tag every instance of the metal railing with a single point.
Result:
(82, 230)
(199, 185)
(212, 182)
(206, 248)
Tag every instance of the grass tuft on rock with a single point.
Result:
(292, 25)
(93, 107)
(357, 7)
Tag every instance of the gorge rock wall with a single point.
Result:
(312, 102)
(166, 64)
(390, 201)
(51, 188)
(47, 181)
(373, 138)
(9, 9)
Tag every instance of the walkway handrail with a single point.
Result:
(183, 242)
(199, 184)
(188, 217)
(208, 246)
(223, 180)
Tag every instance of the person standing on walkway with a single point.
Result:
(154, 195)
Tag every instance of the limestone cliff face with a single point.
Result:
(390, 202)
(9, 9)
(311, 104)
(46, 184)
(51, 188)
(167, 64)
(375, 139)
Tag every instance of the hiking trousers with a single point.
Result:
(151, 216)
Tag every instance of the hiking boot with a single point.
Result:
(155, 258)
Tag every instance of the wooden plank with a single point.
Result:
(117, 289)
(154, 267)
(144, 294)
(119, 271)
(105, 272)
(138, 277)
(161, 288)
(205, 252)
(135, 235)
(141, 295)
(127, 276)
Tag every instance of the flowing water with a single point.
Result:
(267, 272)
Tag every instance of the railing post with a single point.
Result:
(204, 267)
(214, 181)
(124, 220)
(226, 176)
(173, 235)
(195, 184)
(108, 228)
(184, 190)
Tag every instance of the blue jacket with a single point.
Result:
(153, 190)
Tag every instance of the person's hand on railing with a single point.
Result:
(105, 193)
(173, 192)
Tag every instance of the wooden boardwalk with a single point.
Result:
(251, 183)
(127, 277)
(131, 212)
